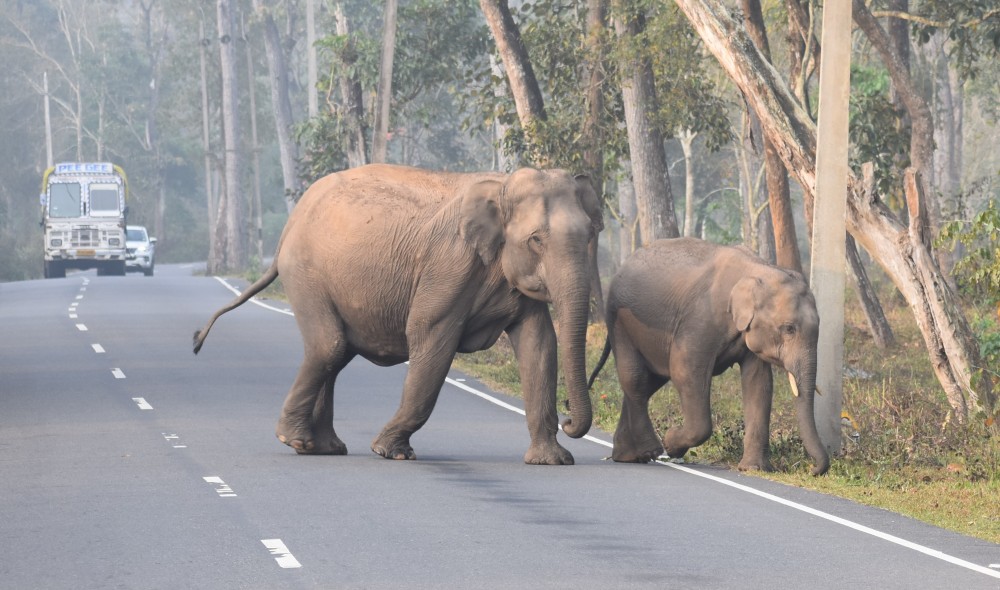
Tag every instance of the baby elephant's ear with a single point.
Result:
(743, 302)
(480, 224)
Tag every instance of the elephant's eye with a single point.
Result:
(535, 242)
(788, 329)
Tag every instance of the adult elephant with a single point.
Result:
(685, 310)
(395, 263)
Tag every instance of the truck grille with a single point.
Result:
(86, 238)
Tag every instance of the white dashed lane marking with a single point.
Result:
(97, 348)
(281, 553)
(222, 488)
(118, 373)
(142, 403)
(81, 327)
(174, 440)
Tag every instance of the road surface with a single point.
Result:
(128, 462)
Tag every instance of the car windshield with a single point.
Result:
(135, 234)
(64, 199)
(104, 200)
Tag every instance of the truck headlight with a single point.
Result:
(55, 243)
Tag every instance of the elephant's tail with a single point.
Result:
(600, 363)
(266, 279)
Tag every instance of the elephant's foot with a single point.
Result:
(392, 446)
(622, 454)
(324, 445)
(755, 464)
(548, 453)
(299, 438)
(629, 448)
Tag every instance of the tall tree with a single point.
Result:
(230, 231)
(650, 175)
(281, 105)
(351, 94)
(902, 251)
(786, 243)
(593, 155)
(524, 86)
(380, 142)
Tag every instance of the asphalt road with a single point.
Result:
(128, 462)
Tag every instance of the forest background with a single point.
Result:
(692, 117)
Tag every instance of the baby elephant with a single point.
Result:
(687, 310)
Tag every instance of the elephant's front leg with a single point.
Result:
(534, 343)
(692, 376)
(758, 390)
(429, 366)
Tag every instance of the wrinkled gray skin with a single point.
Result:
(685, 310)
(394, 263)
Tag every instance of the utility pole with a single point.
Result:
(829, 229)
(48, 123)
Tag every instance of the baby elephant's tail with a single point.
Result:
(600, 364)
(260, 285)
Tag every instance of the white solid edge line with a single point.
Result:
(801, 507)
(253, 300)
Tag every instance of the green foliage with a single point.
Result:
(971, 26)
(875, 131)
(978, 271)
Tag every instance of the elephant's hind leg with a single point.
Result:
(326, 441)
(306, 422)
(635, 439)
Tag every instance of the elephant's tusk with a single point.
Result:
(795, 388)
(818, 392)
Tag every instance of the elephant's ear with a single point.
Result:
(743, 302)
(590, 201)
(480, 224)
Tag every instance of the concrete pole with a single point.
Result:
(829, 230)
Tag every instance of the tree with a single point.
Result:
(380, 141)
(524, 86)
(281, 105)
(230, 232)
(903, 251)
(650, 178)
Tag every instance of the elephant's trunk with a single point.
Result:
(804, 381)
(571, 301)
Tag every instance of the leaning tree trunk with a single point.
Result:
(786, 243)
(903, 252)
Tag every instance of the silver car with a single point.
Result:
(140, 250)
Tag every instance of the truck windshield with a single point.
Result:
(64, 199)
(104, 200)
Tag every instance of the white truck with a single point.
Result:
(83, 218)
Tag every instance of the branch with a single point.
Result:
(902, 15)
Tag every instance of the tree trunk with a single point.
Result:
(593, 156)
(629, 219)
(213, 263)
(351, 94)
(786, 243)
(528, 99)
(281, 105)
(903, 252)
(311, 75)
(258, 215)
(380, 141)
(878, 325)
(687, 140)
(503, 162)
(234, 252)
(650, 176)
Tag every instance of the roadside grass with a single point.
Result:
(903, 449)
